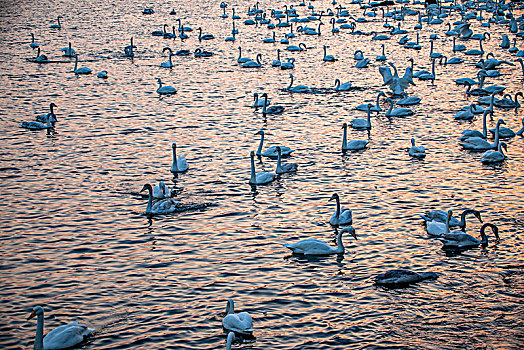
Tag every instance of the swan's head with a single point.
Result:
(350, 230)
(52, 105)
(264, 95)
(494, 228)
(505, 145)
(147, 187)
(252, 154)
(344, 126)
(173, 145)
(334, 196)
(167, 49)
(450, 214)
(37, 311)
(369, 107)
(500, 121)
(413, 141)
(260, 132)
(159, 81)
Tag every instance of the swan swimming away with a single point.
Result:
(492, 157)
(165, 90)
(460, 241)
(69, 51)
(298, 88)
(284, 167)
(271, 152)
(408, 100)
(341, 216)
(163, 206)
(402, 278)
(416, 151)
(262, 177)
(161, 191)
(314, 246)
(62, 337)
(241, 322)
(179, 164)
(37, 125)
(353, 145)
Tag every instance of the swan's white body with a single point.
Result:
(56, 25)
(271, 151)
(241, 59)
(69, 51)
(459, 240)
(362, 63)
(161, 191)
(284, 167)
(102, 74)
(38, 125)
(168, 64)
(397, 112)
(241, 322)
(81, 70)
(179, 163)
(328, 58)
(40, 58)
(342, 87)
(290, 64)
(492, 157)
(42, 118)
(253, 64)
(262, 177)
(353, 145)
(62, 337)
(33, 44)
(165, 90)
(360, 123)
(341, 216)
(317, 247)
(298, 88)
(416, 151)
(408, 100)
(163, 206)
(479, 144)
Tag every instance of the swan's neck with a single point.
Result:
(149, 201)
(291, 83)
(39, 337)
(496, 142)
(259, 150)
(390, 109)
(58, 19)
(484, 122)
(230, 337)
(484, 239)
(239, 52)
(170, 61)
(340, 246)
(337, 84)
(279, 162)
(251, 180)
(447, 225)
(431, 49)
(433, 68)
(76, 63)
(325, 51)
(369, 116)
(337, 213)
(345, 138)
(174, 167)
(378, 96)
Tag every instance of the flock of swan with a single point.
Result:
(439, 224)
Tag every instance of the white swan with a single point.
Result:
(342, 87)
(241, 59)
(241, 322)
(277, 63)
(284, 167)
(272, 110)
(459, 240)
(376, 108)
(270, 40)
(465, 115)
(102, 74)
(437, 228)
(168, 64)
(428, 76)
(262, 177)
(328, 58)
(205, 36)
(260, 102)
(491, 156)
(290, 64)
(317, 247)
(40, 58)
(253, 64)
(441, 216)
(458, 47)
(397, 112)
(62, 337)
(165, 90)
(271, 152)
(341, 216)
(56, 25)
(434, 54)
(37, 125)
(360, 123)
(81, 70)
(42, 118)
(353, 145)
(362, 63)
(161, 191)
(475, 133)
(179, 164)
(408, 100)
(128, 50)
(383, 56)
(164, 206)
(475, 52)
(69, 51)
(416, 151)
(298, 88)
(294, 48)
(359, 55)
(33, 44)
(479, 144)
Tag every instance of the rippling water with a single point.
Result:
(75, 240)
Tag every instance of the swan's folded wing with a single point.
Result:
(66, 336)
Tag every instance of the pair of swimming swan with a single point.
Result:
(341, 216)
(271, 152)
(44, 121)
(163, 206)
(435, 226)
(63, 337)
(315, 247)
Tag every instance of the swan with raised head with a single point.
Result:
(376, 108)
(62, 337)
(205, 36)
(241, 322)
(33, 44)
(42, 118)
(179, 164)
(475, 52)
(441, 216)
(436, 228)
(40, 58)
(272, 110)
(277, 63)
(241, 59)
(271, 152)
(128, 50)
(262, 177)
(284, 167)
(479, 144)
(459, 240)
(253, 64)
(492, 157)
(69, 51)
(314, 246)
(475, 133)
(168, 64)
(353, 145)
(342, 87)
(260, 102)
(163, 206)
(402, 278)
(360, 123)
(383, 56)
(165, 90)
(161, 191)
(230, 340)
(397, 112)
(341, 216)
(434, 54)
(328, 58)
(416, 151)
(290, 64)
(56, 25)
(298, 88)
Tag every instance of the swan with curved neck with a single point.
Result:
(479, 144)
(168, 64)
(342, 87)
(492, 157)
(57, 25)
(397, 112)
(164, 206)
(51, 115)
(436, 225)
(475, 133)
(271, 151)
(165, 90)
(262, 177)
(241, 322)
(341, 216)
(161, 191)
(460, 241)
(205, 36)
(284, 167)
(314, 246)
(33, 44)
(376, 108)
(298, 88)
(62, 337)
(272, 109)
(179, 164)
(253, 64)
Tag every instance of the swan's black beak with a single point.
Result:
(477, 214)
(33, 314)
